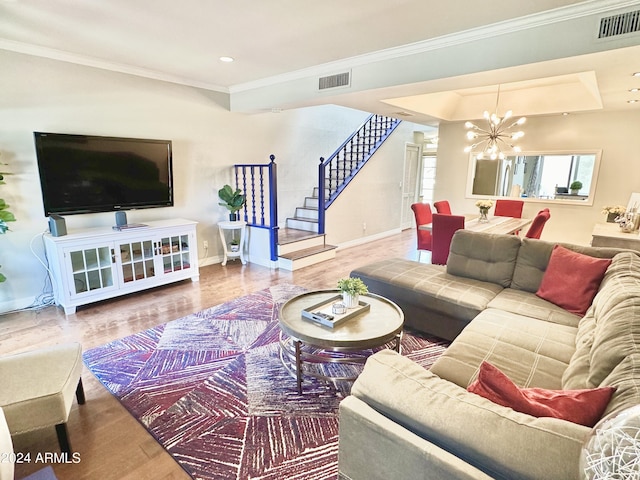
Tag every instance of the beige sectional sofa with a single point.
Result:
(403, 421)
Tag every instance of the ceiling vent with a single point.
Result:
(619, 24)
(334, 81)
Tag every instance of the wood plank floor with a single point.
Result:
(110, 442)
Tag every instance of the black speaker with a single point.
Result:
(57, 226)
(121, 218)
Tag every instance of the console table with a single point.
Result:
(95, 264)
(610, 235)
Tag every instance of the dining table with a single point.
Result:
(496, 224)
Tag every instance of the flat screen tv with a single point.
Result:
(87, 174)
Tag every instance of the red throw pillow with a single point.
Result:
(584, 407)
(572, 279)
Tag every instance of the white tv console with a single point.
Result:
(99, 263)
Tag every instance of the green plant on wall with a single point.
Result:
(5, 215)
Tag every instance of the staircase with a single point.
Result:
(302, 242)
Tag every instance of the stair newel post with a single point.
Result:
(321, 196)
(273, 207)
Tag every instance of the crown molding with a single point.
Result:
(87, 61)
(589, 7)
(584, 9)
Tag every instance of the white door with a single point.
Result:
(410, 183)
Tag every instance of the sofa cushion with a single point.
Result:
(625, 377)
(530, 305)
(495, 439)
(617, 316)
(584, 407)
(429, 286)
(572, 279)
(483, 256)
(533, 258)
(532, 352)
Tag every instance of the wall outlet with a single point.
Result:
(205, 244)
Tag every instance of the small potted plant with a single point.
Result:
(351, 288)
(232, 200)
(575, 187)
(235, 245)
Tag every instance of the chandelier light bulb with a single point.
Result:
(521, 120)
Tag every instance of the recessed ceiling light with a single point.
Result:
(565, 114)
(226, 59)
(632, 101)
(636, 74)
(633, 90)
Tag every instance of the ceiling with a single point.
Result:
(182, 42)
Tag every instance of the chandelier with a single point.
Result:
(497, 136)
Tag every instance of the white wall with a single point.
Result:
(44, 95)
(616, 134)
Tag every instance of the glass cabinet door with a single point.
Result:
(136, 260)
(175, 254)
(91, 269)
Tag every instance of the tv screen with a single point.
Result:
(85, 174)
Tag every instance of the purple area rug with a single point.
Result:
(211, 389)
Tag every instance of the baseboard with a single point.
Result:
(361, 241)
(16, 304)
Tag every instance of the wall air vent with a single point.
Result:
(620, 24)
(334, 81)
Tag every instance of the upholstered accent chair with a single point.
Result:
(442, 206)
(442, 229)
(38, 389)
(508, 208)
(423, 216)
(537, 225)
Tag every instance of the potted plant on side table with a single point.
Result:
(232, 200)
(351, 289)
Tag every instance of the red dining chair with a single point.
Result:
(508, 208)
(535, 230)
(442, 229)
(422, 213)
(442, 206)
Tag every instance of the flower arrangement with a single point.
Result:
(352, 286)
(484, 204)
(617, 209)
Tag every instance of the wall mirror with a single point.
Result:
(536, 177)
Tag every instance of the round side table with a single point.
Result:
(230, 231)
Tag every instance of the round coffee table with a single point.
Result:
(303, 341)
